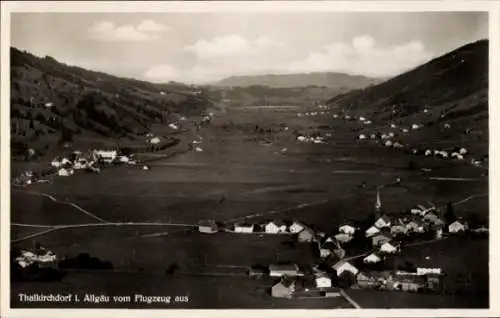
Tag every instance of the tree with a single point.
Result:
(449, 215)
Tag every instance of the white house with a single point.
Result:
(343, 238)
(463, 151)
(198, 149)
(384, 136)
(415, 126)
(426, 271)
(296, 227)
(49, 104)
(65, 161)
(415, 211)
(367, 122)
(347, 229)
(335, 116)
(382, 222)
(173, 126)
(428, 152)
(371, 231)
(372, 258)
(63, 172)
(447, 126)
(388, 143)
(388, 247)
(306, 235)
(162, 93)
(373, 136)
(405, 130)
(362, 118)
(275, 227)
(243, 228)
(362, 137)
(323, 282)
(342, 266)
(393, 126)
(107, 156)
(301, 138)
(56, 163)
(456, 227)
(154, 140)
(391, 134)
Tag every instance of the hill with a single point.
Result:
(451, 89)
(52, 99)
(328, 79)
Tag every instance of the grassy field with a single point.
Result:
(236, 175)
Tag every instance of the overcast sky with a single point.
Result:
(205, 47)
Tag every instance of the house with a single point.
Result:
(391, 134)
(409, 283)
(296, 227)
(198, 149)
(429, 270)
(49, 104)
(323, 281)
(433, 219)
(393, 126)
(173, 126)
(457, 226)
(463, 151)
(81, 163)
(415, 225)
(290, 270)
(361, 118)
(154, 140)
(63, 172)
(306, 235)
(415, 126)
(373, 136)
(388, 143)
(383, 222)
(372, 258)
(275, 227)
(371, 231)
(285, 288)
(447, 125)
(366, 280)
(390, 247)
(207, 227)
(428, 152)
(347, 229)
(361, 137)
(380, 239)
(56, 163)
(106, 156)
(343, 238)
(301, 138)
(344, 266)
(405, 130)
(367, 122)
(243, 228)
(398, 229)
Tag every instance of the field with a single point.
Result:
(244, 170)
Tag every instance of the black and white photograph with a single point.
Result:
(232, 159)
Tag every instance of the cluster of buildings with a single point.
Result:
(384, 268)
(41, 256)
(310, 139)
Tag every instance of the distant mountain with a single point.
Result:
(329, 79)
(49, 98)
(451, 89)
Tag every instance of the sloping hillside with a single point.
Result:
(327, 79)
(451, 89)
(51, 98)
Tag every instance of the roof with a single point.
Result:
(207, 223)
(384, 218)
(283, 267)
(340, 263)
(277, 223)
(243, 225)
(287, 281)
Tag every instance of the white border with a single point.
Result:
(238, 6)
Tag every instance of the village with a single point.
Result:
(360, 255)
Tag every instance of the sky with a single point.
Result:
(206, 47)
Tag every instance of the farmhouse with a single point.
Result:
(275, 227)
(284, 288)
(371, 231)
(343, 238)
(347, 229)
(390, 247)
(306, 235)
(207, 227)
(291, 270)
(382, 222)
(415, 225)
(344, 266)
(457, 226)
(372, 258)
(106, 156)
(398, 229)
(296, 227)
(63, 172)
(243, 228)
(323, 281)
(433, 219)
(380, 239)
